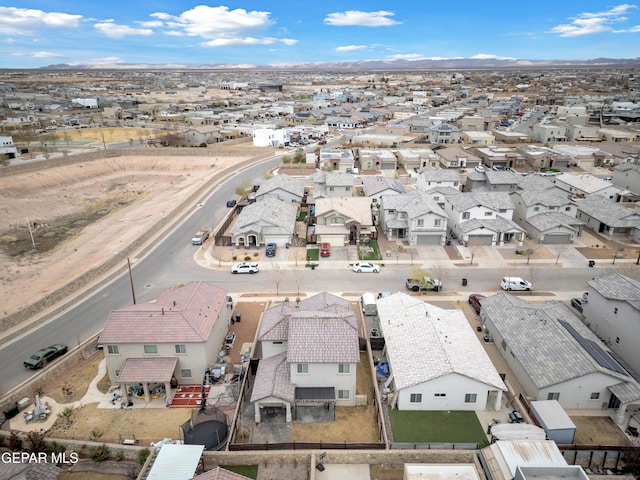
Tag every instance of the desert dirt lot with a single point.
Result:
(82, 213)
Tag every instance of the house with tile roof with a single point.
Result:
(414, 158)
(283, 187)
(483, 218)
(268, 221)
(176, 336)
(613, 313)
(414, 217)
(610, 219)
(375, 186)
(308, 356)
(457, 157)
(627, 176)
(556, 357)
(547, 216)
(429, 177)
(436, 361)
(336, 159)
(333, 184)
(342, 221)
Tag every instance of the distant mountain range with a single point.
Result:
(364, 65)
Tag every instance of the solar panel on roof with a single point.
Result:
(592, 348)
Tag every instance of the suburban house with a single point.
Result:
(613, 135)
(435, 359)
(343, 221)
(270, 137)
(613, 314)
(444, 133)
(414, 217)
(507, 157)
(414, 158)
(267, 221)
(548, 133)
(501, 181)
(483, 218)
(336, 159)
(608, 218)
(585, 184)
(175, 337)
(547, 216)
(7, 147)
(202, 135)
(429, 177)
(556, 357)
(375, 186)
(333, 184)
(627, 176)
(457, 157)
(282, 187)
(477, 137)
(308, 356)
(377, 159)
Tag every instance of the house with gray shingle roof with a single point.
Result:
(267, 221)
(613, 312)
(375, 186)
(333, 184)
(607, 218)
(627, 176)
(556, 357)
(176, 335)
(483, 218)
(429, 177)
(414, 217)
(435, 359)
(547, 216)
(283, 187)
(308, 355)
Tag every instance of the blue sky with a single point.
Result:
(44, 32)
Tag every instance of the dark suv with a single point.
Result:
(271, 249)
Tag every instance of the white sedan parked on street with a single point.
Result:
(245, 267)
(366, 267)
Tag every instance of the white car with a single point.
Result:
(245, 267)
(515, 283)
(479, 168)
(366, 267)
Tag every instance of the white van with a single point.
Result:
(515, 283)
(369, 306)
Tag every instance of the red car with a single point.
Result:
(325, 250)
(475, 300)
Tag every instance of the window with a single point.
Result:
(466, 215)
(488, 214)
(181, 348)
(391, 211)
(415, 398)
(553, 396)
(437, 222)
(567, 209)
(150, 349)
(348, 189)
(455, 184)
(440, 395)
(536, 209)
(402, 215)
(185, 372)
(502, 210)
(420, 222)
(337, 220)
(117, 372)
(470, 397)
(331, 189)
(113, 350)
(436, 198)
(343, 368)
(344, 394)
(595, 396)
(277, 343)
(303, 368)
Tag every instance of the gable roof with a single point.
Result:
(431, 174)
(181, 314)
(492, 200)
(281, 182)
(425, 342)
(354, 208)
(323, 337)
(268, 216)
(272, 379)
(414, 203)
(608, 212)
(377, 184)
(618, 287)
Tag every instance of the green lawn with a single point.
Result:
(437, 427)
(250, 471)
(373, 254)
(303, 216)
(313, 254)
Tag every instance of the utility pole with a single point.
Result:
(133, 292)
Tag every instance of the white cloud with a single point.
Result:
(23, 21)
(113, 30)
(226, 42)
(590, 23)
(488, 56)
(361, 19)
(46, 54)
(406, 56)
(350, 48)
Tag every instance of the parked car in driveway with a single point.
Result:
(578, 303)
(474, 301)
(44, 356)
(270, 250)
(325, 250)
(365, 267)
(245, 267)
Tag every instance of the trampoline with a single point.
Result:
(207, 426)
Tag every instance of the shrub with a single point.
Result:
(95, 434)
(247, 258)
(100, 453)
(35, 442)
(55, 447)
(15, 442)
(119, 456)
(142, 456)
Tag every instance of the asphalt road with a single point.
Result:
(172, 262)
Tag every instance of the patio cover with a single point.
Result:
(141, 370)
(314, 394)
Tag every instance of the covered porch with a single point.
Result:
(146, 378)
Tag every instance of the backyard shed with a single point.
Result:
(555, 421)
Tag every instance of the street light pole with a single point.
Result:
(133, 293)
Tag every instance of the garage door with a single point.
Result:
(476, 240)
(428, 240)
(557, 239)
(333, 240)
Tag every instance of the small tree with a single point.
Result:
(35, 442)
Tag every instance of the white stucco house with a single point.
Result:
(436, 361)
(270, 137)
(282, 187)
(308, 356)
(267, 221)
(342, 221)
